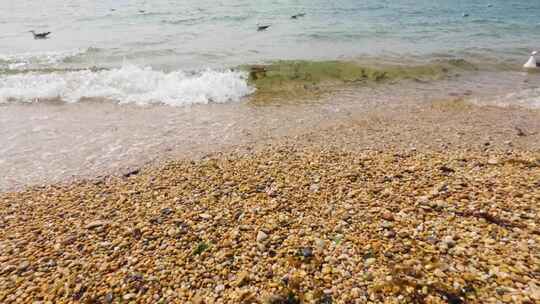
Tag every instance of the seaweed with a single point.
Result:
(201, 247)
(490, 218)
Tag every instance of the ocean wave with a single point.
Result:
(128, 84)
(527, 98)
(22, 60)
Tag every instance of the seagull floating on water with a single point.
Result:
(40, 35)
(261, 28)
(532, 63)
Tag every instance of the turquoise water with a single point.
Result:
(193, 34)
(175, 38)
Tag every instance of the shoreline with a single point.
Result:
(348, 212)
(453, 122)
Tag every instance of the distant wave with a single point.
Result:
(528, 98)
(188, 20)
(128, 84)
(21, 60)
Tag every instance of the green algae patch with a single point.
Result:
(308, 79)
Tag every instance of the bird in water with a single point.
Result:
(532, 63)
(40, 35)
(261, 28)
(298, 16)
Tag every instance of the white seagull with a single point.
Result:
(532, 63)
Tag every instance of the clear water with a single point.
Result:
(190, 34)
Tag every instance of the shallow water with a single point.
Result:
(54, 141)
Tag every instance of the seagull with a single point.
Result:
(532, 63)
(298, 16)
(261, 28)
(40, 35)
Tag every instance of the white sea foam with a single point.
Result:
(527, 98)
(21, 60)
(128, 84)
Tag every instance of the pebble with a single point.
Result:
(369, 262)
(386, 224)
(219, 288)
(449, 241)
(306, 252)
(205, 216)
(493, 161)
(261, 236)
(319, 243)
(387, 215)
(23, 266)
(95, 224)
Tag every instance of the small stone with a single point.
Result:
(166, 211)
(320, 244)
(368, 276)
(356, 292)
(387, 215)
(219, 288)
(326, 270)
(369, 262)
(261, 236)
(390, 234)
(172, 232)
(129, 296)
(534, 291)
(306, 252)
(439, 273)
(242, 278)
(109, 297)
(23, 266)
(95, 224)
(449, 241)
(205, 216)
(386, 224)
(493, 161)
(423, 200)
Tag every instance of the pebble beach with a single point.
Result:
(300, 220)
(270, 152)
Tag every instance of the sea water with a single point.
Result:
(178, 43)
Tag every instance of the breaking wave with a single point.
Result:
(128, 84)
(24, 60)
